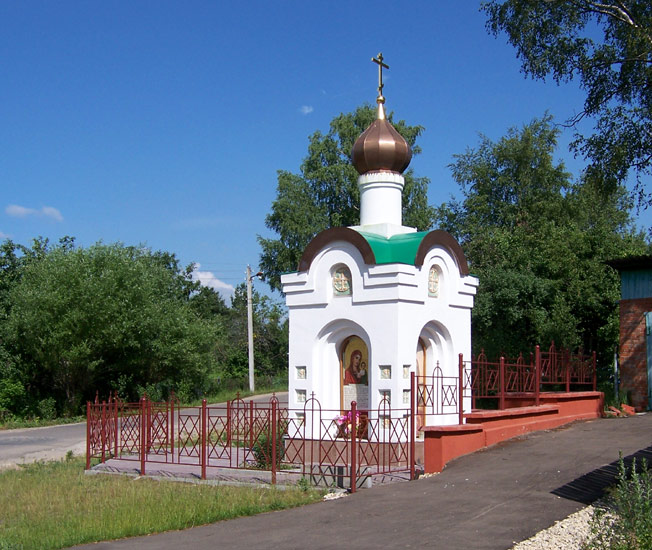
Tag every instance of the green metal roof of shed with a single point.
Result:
(397, 249)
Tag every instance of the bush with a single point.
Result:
(47, 408)
(624, 521)
(262, 449)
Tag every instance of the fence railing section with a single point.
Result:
(322, 443)
(318, 444)
(438, 395)
(551, 371)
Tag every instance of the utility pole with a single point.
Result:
(250, 331)
(250, 326)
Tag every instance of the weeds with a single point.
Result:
(262, 450)
(624, 521)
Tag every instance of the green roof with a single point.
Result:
(397, 249)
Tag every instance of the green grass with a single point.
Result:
(54, 505)
(13, 423)
(230, 394)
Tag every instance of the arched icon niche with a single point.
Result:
(354, 369)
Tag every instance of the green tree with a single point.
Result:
(607, 45)
(538, 243)
(14, 258)
(270, 332)
(325, 193)
(106, 317)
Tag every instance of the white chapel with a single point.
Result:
(370, 304)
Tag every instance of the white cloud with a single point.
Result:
(51, 212)
(306, 109)
(208, 279)
(18, 211)
(4, 235)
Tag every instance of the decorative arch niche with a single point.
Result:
(434, 281)
(354, 372)
(341, 281)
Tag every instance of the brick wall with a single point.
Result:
(633, 350)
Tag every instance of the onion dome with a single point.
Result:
(381, 147)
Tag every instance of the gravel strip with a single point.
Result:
(570, 534)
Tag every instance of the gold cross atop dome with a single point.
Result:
(379, 61)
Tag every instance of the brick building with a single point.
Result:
(636, 329)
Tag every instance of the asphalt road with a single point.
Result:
(487, 500)
(52, 443)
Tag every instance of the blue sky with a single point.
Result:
(164, 123)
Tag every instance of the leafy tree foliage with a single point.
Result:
(112, 317)
(538, 243)
(325, 193)
(607, 45)
(270, 332)
(106, 316)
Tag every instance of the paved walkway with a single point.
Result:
(486, 500)
(47, 443)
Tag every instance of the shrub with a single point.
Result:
(47, 408)
(262, 449)
(624, 521)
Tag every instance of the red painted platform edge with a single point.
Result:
(516, 411)
(556, 395)
(463, 428)
(444, 443)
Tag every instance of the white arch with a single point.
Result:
(439, 348)
(326, 359)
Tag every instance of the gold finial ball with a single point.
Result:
(380, 99)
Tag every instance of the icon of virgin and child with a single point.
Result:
(355, 365)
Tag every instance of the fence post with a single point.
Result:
(251, 424)
(354, 450)
(228, 423)
(88, 435)
(502, 383)
(537, 375)
(567, 366)
(143, 433)
(103, 432)
(413, 411)
(274, 436)
(595, 372)
(116, 425)
(202, 427)
(172, 426)
(460, 402)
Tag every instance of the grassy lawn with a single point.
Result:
(54, 505)
(229, 395)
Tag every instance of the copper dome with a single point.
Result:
(381, 147)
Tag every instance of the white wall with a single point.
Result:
(389, 309)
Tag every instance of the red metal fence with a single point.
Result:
(439, 396)
(318, 444)
(552, 371)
